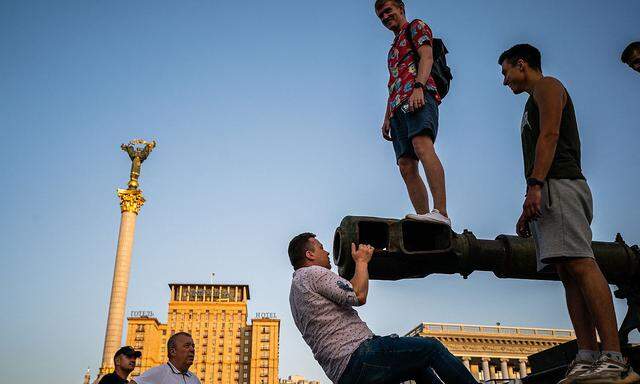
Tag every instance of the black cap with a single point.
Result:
(127, 351)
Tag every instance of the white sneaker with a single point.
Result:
(576, 369)
(432, 217)
(607, 371)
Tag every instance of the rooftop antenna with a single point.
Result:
(212, 276)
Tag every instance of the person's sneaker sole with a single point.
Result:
(568, 380)
(631, 378)
(426, 219)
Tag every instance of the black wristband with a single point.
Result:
(533, 182)
(418, 84)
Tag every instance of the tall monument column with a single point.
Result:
(131, 200)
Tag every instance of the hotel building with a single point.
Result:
(228, 348)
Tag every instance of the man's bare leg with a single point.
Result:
(597, 297)
(579, 313)
(415, 186)
(424, 149)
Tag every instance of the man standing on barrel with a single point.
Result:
(411, 117)
(557, 211)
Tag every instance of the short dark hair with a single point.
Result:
(626, 54)
(380, 3)
(526, 52)
(298, 247)
(171, 343)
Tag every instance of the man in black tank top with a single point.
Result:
(557, 211)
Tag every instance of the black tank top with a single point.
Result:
(566, 161)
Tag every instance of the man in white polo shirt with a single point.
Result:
(181, 351)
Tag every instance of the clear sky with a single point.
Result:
(267, 117)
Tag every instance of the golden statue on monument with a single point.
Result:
(138, 150)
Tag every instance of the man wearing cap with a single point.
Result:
(125, 362)
(181, 352)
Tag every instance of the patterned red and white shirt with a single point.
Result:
(402, 66)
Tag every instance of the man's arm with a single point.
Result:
(550, 97)
(360, 279)
(425, 53)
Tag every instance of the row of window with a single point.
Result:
(206, 315)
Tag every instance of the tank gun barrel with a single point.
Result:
(407, 249)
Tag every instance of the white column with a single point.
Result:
(504, 368)
(523, 368)
(485, 368)
(465, 361)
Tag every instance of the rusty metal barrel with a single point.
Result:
(414, 249)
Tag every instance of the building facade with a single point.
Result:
(229, 349)
(493, 352)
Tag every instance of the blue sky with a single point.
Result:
(267, 118)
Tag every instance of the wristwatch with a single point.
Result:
(418, 84)
(533, 182)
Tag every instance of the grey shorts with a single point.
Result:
(564, 230)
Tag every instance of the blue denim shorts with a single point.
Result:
(406, 125)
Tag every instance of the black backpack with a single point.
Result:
(440, 71)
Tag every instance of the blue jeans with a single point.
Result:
(392, 360)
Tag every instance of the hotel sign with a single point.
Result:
(265, 315)
(142, 314)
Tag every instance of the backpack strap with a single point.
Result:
(437, 46)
